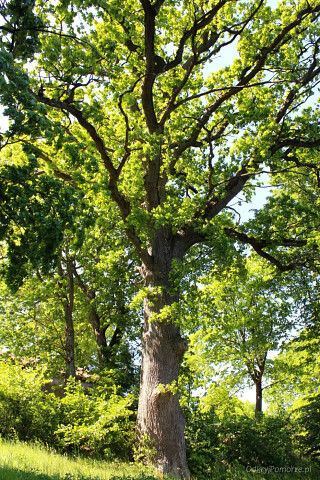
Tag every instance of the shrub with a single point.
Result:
(202, 441)
(25, 411)
(235, 438)
(261, 441)
(99, 425)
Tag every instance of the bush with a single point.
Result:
(99, 425)
(261, 441)
(25, 411)
(236, 438)
(202, 441)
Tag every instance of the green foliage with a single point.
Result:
(257, 442)
(307, 435)
(202, 441)
(243, 312)
(230, 437)
(131, 105)
(102, 291)
(21, 28)
(296, 367)
(26, 412)
(144, 450)
(79, 73)
(100, 424)
(35, 211)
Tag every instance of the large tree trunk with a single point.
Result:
(159, 414)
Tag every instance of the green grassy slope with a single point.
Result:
(21, 461)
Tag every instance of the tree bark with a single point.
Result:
(104, 350)
(160, 417)
(257, 375)
(69, 339)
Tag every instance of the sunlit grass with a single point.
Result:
(22, 461)
(31, 462)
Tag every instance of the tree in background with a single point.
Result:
(36, 321)
(137, 96)
(92, 282)
(245, 314)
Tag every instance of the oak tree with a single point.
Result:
(140, 95)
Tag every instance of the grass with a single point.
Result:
(22, 461)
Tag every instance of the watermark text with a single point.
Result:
(273, 469)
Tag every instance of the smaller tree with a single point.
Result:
(245, 314)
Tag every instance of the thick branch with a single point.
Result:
(147, 86)
(89, 294)
(61, 105)
(157, 5)
(233, 188)
(116, 337)
(119, 198)
(258, 246)
(124, 205)
(187, 236)
(295, 142)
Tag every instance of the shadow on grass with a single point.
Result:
(8, 473)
